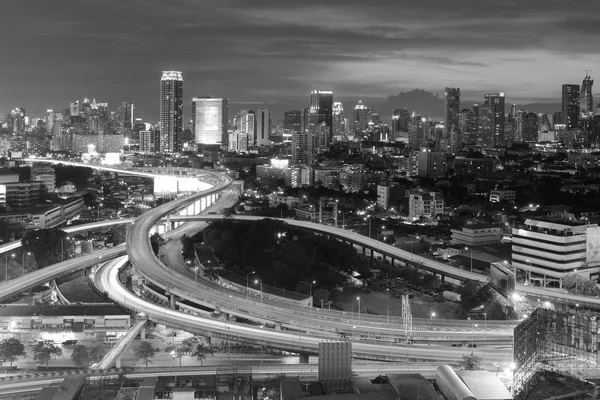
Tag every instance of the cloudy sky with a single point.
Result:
(276, 51)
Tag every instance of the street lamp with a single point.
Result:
(62, 248)
(247, 287)
(310, 285)
(432, 315)
(261, 290)
(353, 301)
(6, 265)
(387, 313)
(466, 248)
(99, 205)
(23, 261)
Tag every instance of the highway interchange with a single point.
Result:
(302, 328)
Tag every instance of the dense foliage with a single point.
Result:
(282, 255)
(46, 246)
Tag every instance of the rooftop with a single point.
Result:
(18, 310)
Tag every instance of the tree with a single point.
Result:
(11, 349)
(471, 362)
(201, 352)
(145, 352)
(80, 355)
(43, 352)
(46, 245)
(97, 353)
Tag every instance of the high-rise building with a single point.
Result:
(248, 126)
(263, 126)
(149, 141)
(451, 110)
(18, 118)
(557, 119)
(292, 122)
(495, 103)
(339, 122)
(586, 101)
(126, 115)
(432, 164)
(570, 106)
(305, 119)
(468, 124)
(530, 127)
(360, 118)
(210, 120)
(171, 111)
(321, 114)
(416, 131)
(304, 147)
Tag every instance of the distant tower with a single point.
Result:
(586, 101)
(263, 126)
(360, 117)
(338, 118)
(451, 110)
(495, 103)
(210, 120)
(570, 106)
(171, 111)
(321, 114)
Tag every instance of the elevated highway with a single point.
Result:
(106, 279)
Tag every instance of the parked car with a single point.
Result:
(69, 342)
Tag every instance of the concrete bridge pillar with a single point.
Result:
(143, 333)
(172, 301)
(303, 358)
(118, 362)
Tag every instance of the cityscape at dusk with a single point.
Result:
(322, 200)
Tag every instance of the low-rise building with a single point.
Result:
(73, 318)
(275, 200)
(477, 235)
(425, 204)
(497, 196)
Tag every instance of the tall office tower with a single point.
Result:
(495, 102)
(586, 100)
(570, 106)
(263, 126)
(321, 114)
(511, 131)
(18, 120)
(171, 111)
(49, 119)
(304, 147)
(485, 135)
(74, 109)
(210, 120)
(292, 121)
(248, 126)
(415, 131)
(360, 118)
(530, 127)
(339, 125)
(451, 110)
(400, 120)
(126, 115)
(557, 118)
(544, 120)
(468, 124)
(305, 119)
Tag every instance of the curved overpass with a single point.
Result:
(107, 280)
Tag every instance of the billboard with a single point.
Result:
(592, 254)
(502, 279)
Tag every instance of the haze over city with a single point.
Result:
(275, 52)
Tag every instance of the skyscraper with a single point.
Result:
(248, 126)
(570, 106)
(586, 101)
(495, 103)
(210, 120)
(171, 111)
(530, 128)
(292, 121)
(360, 118)
(126, 115)
(451, 110)
(263, 126)
(321, 114)
(339, 122)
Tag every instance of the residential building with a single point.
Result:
(425, 204)
(586, 100)
(304, 148)
(275, 200)
(497, 196)
(44, 174)
(495, 103)
(482, 167)
(390, 195)
(477, 235)
(150, 141)
(547, 250)
(451, 110)
(432, 164)
(171, 111)
(321, 115)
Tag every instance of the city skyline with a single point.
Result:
(265, 53)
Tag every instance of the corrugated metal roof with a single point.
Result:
(484, 385)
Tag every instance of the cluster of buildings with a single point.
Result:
(25, 200)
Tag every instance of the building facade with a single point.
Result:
(570, 106)
(425, 204)
(171, 111)
(210, 120)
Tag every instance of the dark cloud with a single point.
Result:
(274, 51)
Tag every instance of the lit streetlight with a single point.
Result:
(432, 315)
(261, 289)
(248, 286)
(23, 261)
(13, 255)
(466, 248)
(311, 285)
(387, 313)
